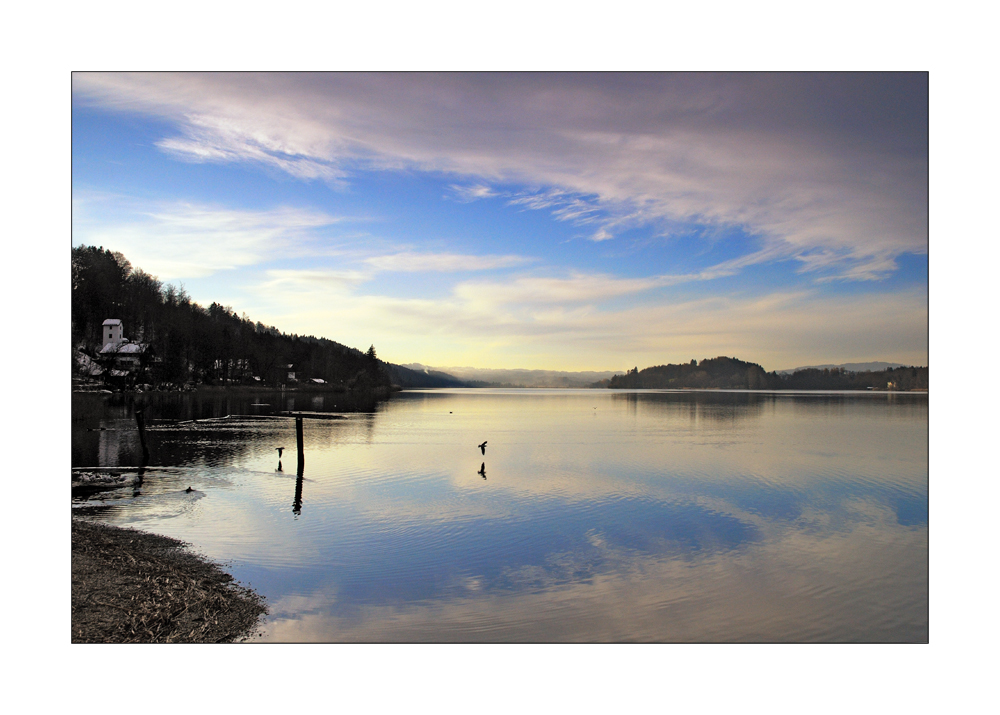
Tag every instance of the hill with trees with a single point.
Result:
(185, 342)
(731, 373)
(493, 377)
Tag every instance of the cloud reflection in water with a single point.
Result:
(658, 516)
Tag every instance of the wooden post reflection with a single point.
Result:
(141, 423)
(297, 504)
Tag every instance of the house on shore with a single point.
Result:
(119, 353)
(112, 333)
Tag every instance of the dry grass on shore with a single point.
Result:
(134, 587)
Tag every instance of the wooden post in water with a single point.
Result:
(140, 421)
(298, 445)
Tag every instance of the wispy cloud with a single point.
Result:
(545, 291)
(467, 194)
(409, 262)
(853, 266)
(580, 322)
(180, 239)
(564, 206)
(309, 282)
(809, 162)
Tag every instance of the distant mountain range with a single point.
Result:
(411, 376)
(849, 366)
(486, 377)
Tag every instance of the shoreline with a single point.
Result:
(131, 586)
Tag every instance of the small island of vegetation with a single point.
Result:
(728, 373)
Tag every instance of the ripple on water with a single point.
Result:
(656, 517)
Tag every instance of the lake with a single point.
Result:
(594, 515)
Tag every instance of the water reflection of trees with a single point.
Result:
(206, 404)
(713, 406)
(173, 440)
(740, 406)
(909, 404)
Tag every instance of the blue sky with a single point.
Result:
(556, 221)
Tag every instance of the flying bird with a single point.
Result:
(482, 471)
(280, 450)
(483, 447)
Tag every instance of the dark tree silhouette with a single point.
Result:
(192, 344)
(731, 373)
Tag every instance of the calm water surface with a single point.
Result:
(602, 515)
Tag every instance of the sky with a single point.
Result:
(561, 221)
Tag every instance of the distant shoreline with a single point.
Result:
(214, 389)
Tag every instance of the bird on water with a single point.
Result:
(189, 490)
(483, 447)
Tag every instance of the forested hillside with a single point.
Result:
(214, 345)
(731, 373)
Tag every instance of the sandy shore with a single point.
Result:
(134, 587)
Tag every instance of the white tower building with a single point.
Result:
(111, 333)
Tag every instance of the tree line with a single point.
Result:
(189, 343)
(732, 373)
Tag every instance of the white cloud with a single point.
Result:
(182, 239)
(807, 162)
(543, 291)
(863, 267)
(578, 322)
(475, 192)
(187, 240)
(409, 262)
(308, 282)
(214, 139)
